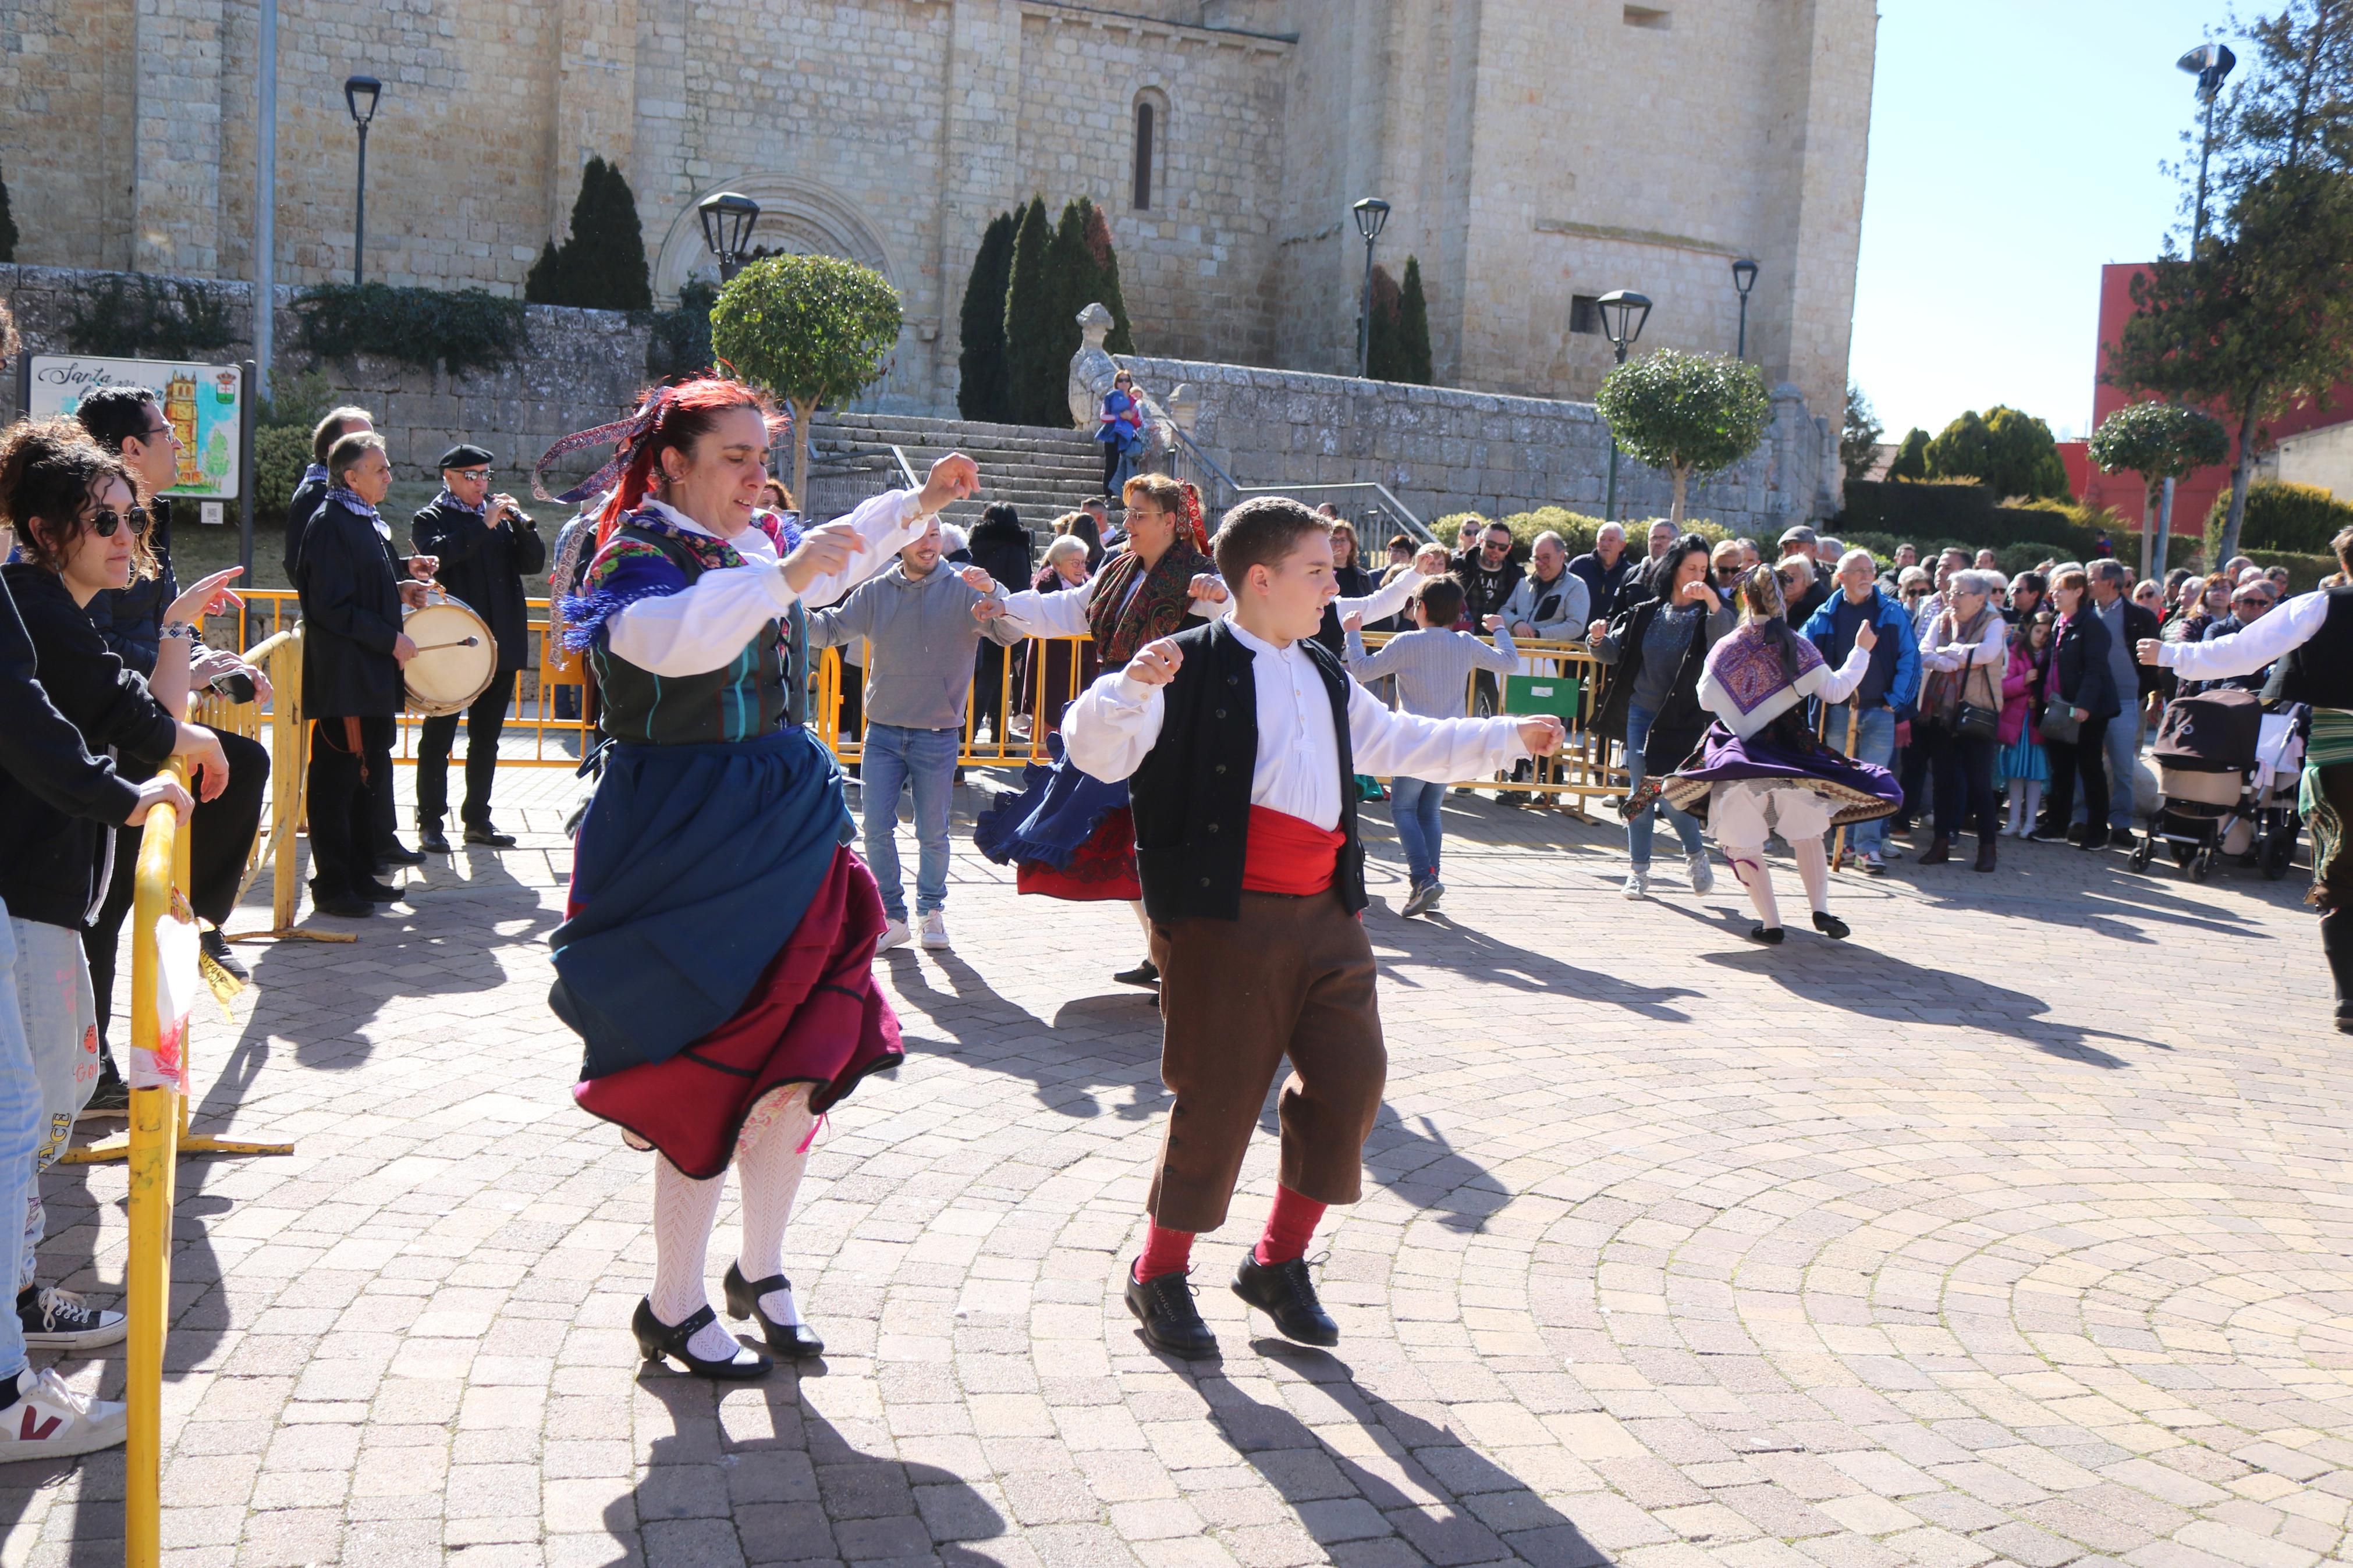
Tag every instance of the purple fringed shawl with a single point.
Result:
(627, 570)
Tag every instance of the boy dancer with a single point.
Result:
(1238, 740)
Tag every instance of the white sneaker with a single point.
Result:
(1873, 863)
(893, 935)
(1637, 885)
(1703, 875)
(57, 1320)
(935, 931)
(49, 1420)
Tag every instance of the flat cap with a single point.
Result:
(465, 455)
(1801, 534)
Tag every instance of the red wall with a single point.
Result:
(2194, 496)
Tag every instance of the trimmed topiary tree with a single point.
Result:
(1036, 380)
(1688, 413)
(1911, 460)
(1414, 363)
(813, 329)
(1382, 334)
(2158, 441)
(981, 366)
(602, 266)
(2011, 453)
(2295, 519)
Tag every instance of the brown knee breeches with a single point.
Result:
(1292, 977)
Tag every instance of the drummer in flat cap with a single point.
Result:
(486, 546)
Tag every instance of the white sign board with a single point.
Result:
(204, 404)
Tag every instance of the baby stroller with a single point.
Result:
(2205, 753)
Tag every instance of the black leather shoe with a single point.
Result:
(380, 892)
(398, 854)
(1163, 1305)
(217, 949)
(1830, 926)
(1768, 935)
(657, 1338)
(1145, 973)
(2123, 838)
(785, 1339)
(432, 841)
(490, 835)
(344, 905)
(1284, 1293)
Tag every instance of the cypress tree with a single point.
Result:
(1106, 277)
(1073, 272)
(602, 265)
(1413, 329)
(7, 226)
(981, 392)
(1383, 346)
(1036, 375)
(1912, 457)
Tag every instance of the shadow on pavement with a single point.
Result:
(1071, 1061)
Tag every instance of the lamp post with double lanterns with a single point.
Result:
(1623, 312)
(360, 93)
(1371, 214)
(1744, 279)
(2209, 63)
(727, 220)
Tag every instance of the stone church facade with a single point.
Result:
(1537, 153)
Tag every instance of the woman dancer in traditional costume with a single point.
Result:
(715, 956)
(1760, 771)
(1069, 834)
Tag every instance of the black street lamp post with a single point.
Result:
(1744, 279)
(2209, 63)
(360, 93)
(1623, 312)
(727, 220)
(1371, 214)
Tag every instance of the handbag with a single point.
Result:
(2060, 724)
(1974, 720)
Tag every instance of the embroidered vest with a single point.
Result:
(752, 695)
(2320, 671)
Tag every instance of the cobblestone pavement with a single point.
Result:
(2014, 1230)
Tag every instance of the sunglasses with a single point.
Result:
(481, 476)
(107, 520)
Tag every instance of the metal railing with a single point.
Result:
(1379, 514)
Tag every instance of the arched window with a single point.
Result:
(1144, 119)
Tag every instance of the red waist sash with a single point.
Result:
(1289, 855)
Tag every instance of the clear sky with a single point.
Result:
(2015, 147)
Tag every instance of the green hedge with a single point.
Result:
(463, 329)
(1964, 514)
(2301, 518)
(1574, 527)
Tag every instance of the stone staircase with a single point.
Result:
(1043, 472)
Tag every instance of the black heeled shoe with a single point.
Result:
(1830, 926)
(744, 1301)
(1768, 935)
(657, 1338)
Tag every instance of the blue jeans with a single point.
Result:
(20, 1131)
(1874, 742)
(1413, 806)
(1637, 831)
(925, 760)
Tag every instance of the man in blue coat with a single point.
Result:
(1889, 687)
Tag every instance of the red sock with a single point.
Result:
(1290, 1226)
(1164, 1252)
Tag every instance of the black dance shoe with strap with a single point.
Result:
(1163, 1305)
(744, 1301)
(1284, 1293)
(657, 1338)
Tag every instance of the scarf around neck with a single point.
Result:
(1121, 623)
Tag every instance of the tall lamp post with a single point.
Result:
(1371, 214)
(1744, 279)
(360, 93)
(1623, 312)
(2209, 63)
(727, 220)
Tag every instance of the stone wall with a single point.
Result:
(1442, 450)
(579, 368)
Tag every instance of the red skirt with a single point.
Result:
(815, 1017)
(1102, 867)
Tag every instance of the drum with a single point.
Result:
(457, 658)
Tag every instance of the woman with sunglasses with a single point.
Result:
(71, 506)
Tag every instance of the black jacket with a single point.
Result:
(1683, 721)
(2140, 624)
(2080, 676)
(1484, 591)
(52, 865)
(485, 567)
(308, 498)
(41, 752)
(1002, 550)
(1190, 797)
(1813, 599)
(1602, 584)
(351, 615)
